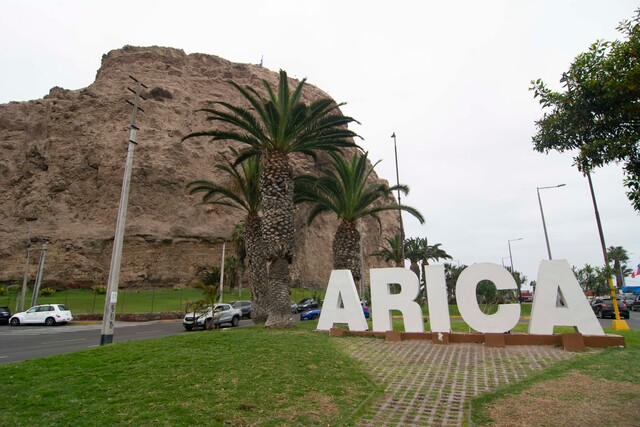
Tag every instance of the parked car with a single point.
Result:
(244, 307)
(603, 308)
(219, 314)
(307, 304)
(294, 307)
(315, 313)
(48, 314)
(636, 304)
(5, 315)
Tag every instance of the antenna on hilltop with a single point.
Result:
(261, 59)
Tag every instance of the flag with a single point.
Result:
(636, 273)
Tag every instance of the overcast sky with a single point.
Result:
(451, 79)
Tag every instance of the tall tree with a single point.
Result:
(414, 251)
(276, 126)
(598, 114)
(346, 191)
(243, 192)
(431, 252)
(619, 256)
(392, 252)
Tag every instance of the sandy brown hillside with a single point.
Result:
(62, 161)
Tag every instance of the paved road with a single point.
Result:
(30, 342)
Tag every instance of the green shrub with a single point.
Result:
(99, 289)
(45, 292)
(3, 291)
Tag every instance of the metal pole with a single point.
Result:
(617, 323)
(544, 224)
(36, 287)
(224, 244)
(395, 150)
(512, 270)
(109, 316)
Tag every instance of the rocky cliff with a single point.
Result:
(62, 166)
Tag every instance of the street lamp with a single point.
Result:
(544, 224)
(511, 260)
(503, 258)
(395, 150)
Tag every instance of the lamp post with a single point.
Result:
(503, 258)
(511, 260)
(395, 150)
(544, 224)
(224, 245)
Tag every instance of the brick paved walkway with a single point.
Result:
(428, 384)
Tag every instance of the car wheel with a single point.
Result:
(50, 321)
(15, 322)
(626, 315)
(314, 316)
(188, 327)
(235, 321)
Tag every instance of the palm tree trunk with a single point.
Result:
(256, 267)
(415, 268)
(346, 249)
(276, 181)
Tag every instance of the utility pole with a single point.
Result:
(25, 279)
(395, 149)
(617, 324)
(36, 287)
(109, 316)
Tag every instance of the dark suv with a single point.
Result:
(245, 307)
(5, 314)
(604, 308)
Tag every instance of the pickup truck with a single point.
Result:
(216, 315)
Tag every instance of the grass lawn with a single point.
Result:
(598, 385)
(246, 376)
(83, 301)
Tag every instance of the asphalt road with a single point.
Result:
(30, 342)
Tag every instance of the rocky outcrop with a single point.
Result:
(63, 160)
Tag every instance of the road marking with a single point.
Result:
(149, 332)
(95, 345)
(3, 357)
(57, 342)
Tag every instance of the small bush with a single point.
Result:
(45, 292)
(3, 291)
(99, 289)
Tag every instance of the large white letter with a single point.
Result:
(382, 301)
(342, 287)
(507, 315)
(437, 298)
(554, 276)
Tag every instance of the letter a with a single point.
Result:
(342, 287)
(554, 276)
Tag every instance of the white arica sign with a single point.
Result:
(553, 276)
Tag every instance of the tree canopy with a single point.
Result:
(598, 113)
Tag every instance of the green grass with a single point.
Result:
(616, 364)
(83, 301)
(248, 376)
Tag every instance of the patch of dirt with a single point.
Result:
(573, 400)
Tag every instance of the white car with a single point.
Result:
(48, 314)
(222, 313)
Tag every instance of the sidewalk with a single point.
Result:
(429, 384)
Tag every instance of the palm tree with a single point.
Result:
(243, 193)
(431, 252)
(345, 191)
(619, 256)
(415, 253)
(393, 252)
(276, 126)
